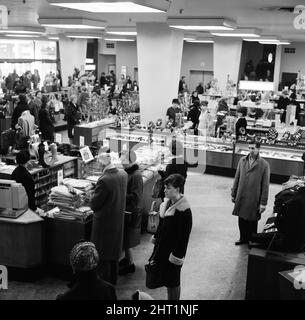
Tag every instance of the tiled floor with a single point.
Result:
(214, 268)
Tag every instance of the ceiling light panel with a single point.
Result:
(107, 7)
(201, 24)
(71, 23)
(118, 39)
(23, 35)
(241, 32)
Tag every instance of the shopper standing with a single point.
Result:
(46, 125)
(108, 204)
(172, 236)
(73, 116)
(21, 106)
(172, 111)
(133, 211)
(250, 192)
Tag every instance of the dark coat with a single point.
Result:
(22, 175)
(194, 115)
(73, 114)
(172, 236)
(88, 286)
(46, 125)
(20, 107)
(134, 204)
(250, 188)
(34, 109)
(108, 204)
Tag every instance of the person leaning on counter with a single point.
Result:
(23, 176)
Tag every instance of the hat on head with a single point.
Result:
(84, 256)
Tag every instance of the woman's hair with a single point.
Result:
(22, 98)
(22, 157)
(44, 100)
(176, 180)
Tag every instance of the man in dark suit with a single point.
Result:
(87, 285)
(108, 205)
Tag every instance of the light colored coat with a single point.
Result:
(250, 188)
(108, 204)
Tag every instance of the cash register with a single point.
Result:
(13, 199)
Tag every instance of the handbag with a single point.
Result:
(153, 275)
(153, 219)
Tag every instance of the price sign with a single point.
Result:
(58, 138)
(60, 177)
(81, 141)
(124, 147)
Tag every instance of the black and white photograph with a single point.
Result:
(179, 175)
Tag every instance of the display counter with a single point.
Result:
(22, 241)
(87, 133)
(46, 178)
(282, 160)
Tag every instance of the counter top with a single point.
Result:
(27, 217)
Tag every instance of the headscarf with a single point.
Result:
(84, 256)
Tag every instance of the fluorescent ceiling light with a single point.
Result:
(284, 42)
(118, 39)
(201, 24)
(23, 30)
(200, 41)
(188, 39)
(234, 34)
(201, 28)
(23, 35)
(83, 36)
(241, 32)
(123, 33)
(106, 7)
(73, 23)
(53, 38)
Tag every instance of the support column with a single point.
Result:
(159, 50)
(227, 53)
(277, 68)
(72, 54)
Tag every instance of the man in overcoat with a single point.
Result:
(108, 205)
(250, 192)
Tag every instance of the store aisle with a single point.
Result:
(214, 267)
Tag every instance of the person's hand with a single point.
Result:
(233, 199)
(262, 209)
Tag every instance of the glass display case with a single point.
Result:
(283, 160)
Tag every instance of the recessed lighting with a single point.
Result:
(203, 28)
(53, 38)
(71, 26)
(200, 41)
(284, 42)
(83, 36)
(123, 33)
(20, 31)
(235, 34)
(23, 35)
(105, 7)
(72, 23)
(201, 24)
(188, 39)
(118, 39)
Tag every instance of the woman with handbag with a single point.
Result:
(133, 211)
(171, 238)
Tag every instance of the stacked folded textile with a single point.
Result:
(70, 202)
(80, 184)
